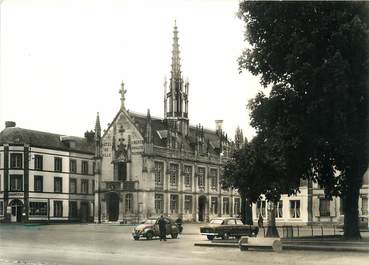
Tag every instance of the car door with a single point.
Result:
(168, 227)
(156, 228)
(231, 226)
(240, 228)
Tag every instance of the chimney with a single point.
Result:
(218, 125)
(10, 124)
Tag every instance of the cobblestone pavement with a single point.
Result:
(113, 244)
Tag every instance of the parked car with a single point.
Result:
(227, 227)
(150, 228)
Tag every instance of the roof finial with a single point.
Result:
(122, 93)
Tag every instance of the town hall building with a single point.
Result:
(149, 166)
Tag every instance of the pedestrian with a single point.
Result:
(162, 228)
(260, 221)
(179, 224)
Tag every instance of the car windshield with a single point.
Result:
(150, 221)
(216, 221)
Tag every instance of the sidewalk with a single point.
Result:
(312, 244)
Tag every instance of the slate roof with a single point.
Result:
(160, 131)
(16, 135)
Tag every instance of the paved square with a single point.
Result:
(113, 244)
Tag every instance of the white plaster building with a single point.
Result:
(45, 177)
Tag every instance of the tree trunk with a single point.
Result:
(272, 229)
(243, 209)
(248, 213)
(350, 198)
(351, 212)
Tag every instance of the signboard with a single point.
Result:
(16, 194)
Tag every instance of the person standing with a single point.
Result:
(260, 221)
(162, 228)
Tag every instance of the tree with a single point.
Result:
(254, 171)
(315, 55)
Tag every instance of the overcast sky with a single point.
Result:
(63, 61)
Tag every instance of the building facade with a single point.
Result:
(149, 166)
(311, 207)
(45, 177)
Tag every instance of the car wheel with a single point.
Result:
(136, 237)
(175, 235)
(210, 237)
(149, 235)
(225, 236)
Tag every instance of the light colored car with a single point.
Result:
(227, 227)
(150, 229)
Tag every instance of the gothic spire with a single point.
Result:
(97, 137)
(148, 134)
(176, 60)
(97, 128)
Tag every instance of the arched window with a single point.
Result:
(128, 207)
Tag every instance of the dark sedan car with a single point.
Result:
(228, 227)
(150, 228)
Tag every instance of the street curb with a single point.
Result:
(292, 247)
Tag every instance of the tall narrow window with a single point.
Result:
(38, 162)
(279, 210)
(237, 206)
(341, 207)
(84, 186)
(201, 177)
(226, 205)
(173, 203)
(73, 185)
(159, 173)
(16, 160)
(16, 183)
(58, 164)
(159, 203)
(188, 204)
(73, 166)
(84, 168)
(187, 175)
(214, 205)
(128, 203)
(214, 178)
(173, 179)
(121, 171)
(324, 207)
(38, 183)
(58, 184)
(58, 208)
(295, 209)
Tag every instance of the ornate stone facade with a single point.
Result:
(147, 166)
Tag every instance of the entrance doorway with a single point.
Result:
(17, 211)
(202, 208)
(112, 201)
(84, 212)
